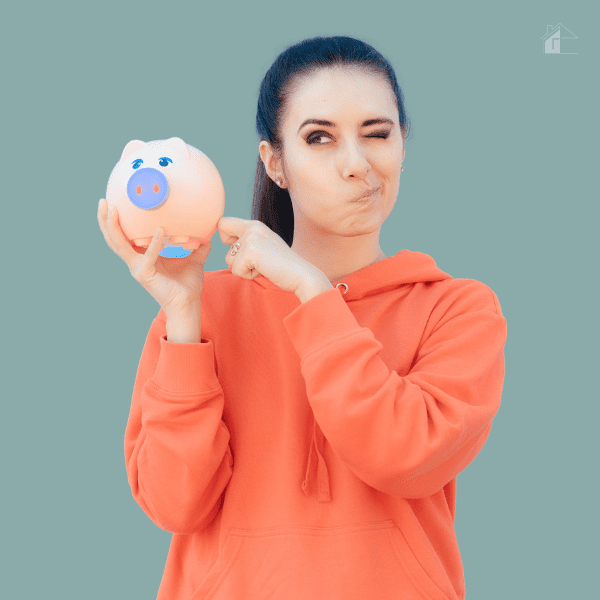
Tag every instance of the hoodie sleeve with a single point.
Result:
(405, 436)
(177, 451)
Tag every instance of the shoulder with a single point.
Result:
(467, 295)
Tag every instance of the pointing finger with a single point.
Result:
(231, 229)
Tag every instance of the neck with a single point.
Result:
(339, 261)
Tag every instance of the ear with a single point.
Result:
(179, 145)
(269, 158)
(131, 147)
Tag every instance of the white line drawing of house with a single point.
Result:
(551, 41)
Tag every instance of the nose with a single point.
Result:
(147, 188)
(356, 160)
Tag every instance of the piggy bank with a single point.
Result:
(168, 184)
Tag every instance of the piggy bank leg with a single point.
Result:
(142, 242)
(178, 240)
(187, 242)
(193, 243)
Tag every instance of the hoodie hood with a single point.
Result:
(404, 268)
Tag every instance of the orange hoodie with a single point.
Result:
(308, 451)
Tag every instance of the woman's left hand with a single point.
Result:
(263, 252)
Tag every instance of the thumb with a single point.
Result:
(201, 253)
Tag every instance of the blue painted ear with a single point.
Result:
(132, 147)
(179, 145)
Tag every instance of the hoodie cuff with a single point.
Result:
(186, 367)
(319, 321)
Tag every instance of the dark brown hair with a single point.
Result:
(271, 204)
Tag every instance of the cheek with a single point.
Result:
(392, 162)
(388, 206)
(391, 159)
(317, 208)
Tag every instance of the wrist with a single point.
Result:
(183, 311)
(313, 288)
(184, 331)
(184, 325)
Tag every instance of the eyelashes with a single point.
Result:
(315, 135)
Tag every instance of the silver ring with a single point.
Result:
(344, 284)
(237, 245)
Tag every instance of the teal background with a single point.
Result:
(497, 187)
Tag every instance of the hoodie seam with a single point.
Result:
(185, 393)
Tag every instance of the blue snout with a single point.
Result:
(147, 188)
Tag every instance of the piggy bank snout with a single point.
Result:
(147, 188)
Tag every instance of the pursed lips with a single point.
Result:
(366, 196)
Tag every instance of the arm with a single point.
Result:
(177, 450)
(185, 328)
(410, 435)
(312, 288)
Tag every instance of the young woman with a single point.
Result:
(299, 419)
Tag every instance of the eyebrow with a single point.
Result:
(330, 124)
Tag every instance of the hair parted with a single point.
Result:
(271, 204)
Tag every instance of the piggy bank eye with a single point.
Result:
(163, 161)
(137, 163)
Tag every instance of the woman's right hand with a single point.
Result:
(175, 283)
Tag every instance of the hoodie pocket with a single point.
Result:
(368, 560)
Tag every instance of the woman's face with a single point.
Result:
(326, 167)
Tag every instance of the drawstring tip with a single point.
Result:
(323, 481)
(305, 488)
(324, 496)
(321, 475)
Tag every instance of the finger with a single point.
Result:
(102, 220)
(154, 249)
(122, 245)
(236, 251)
(227, 238)
(229, 259)
(241, 264)
(231, 229)
(102, 210)
(202, 251)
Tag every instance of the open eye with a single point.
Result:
(136, 163)
(164, 161)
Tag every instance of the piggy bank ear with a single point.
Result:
(131, 147)
(179, 145)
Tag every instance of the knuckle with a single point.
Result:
(254, 226)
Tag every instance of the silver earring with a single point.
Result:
(279, 182)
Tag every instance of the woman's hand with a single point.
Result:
(263, 252)
(175, 283)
